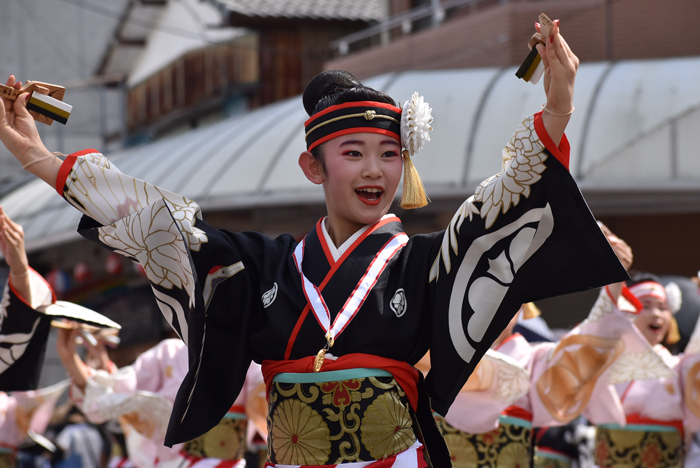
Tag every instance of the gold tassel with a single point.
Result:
(413, 195)
(530, 311)
(674, 334)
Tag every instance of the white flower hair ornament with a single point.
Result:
(416, 118)
(674, 297)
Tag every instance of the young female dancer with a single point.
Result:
(357, 299)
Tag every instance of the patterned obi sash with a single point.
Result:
(641, 443)
(8, 457)
(510, 445)
(342, 416)
(225, 441)
(551, 459)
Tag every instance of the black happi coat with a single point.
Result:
(525, 235)
(23, 335)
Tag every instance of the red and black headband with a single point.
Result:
(352, 117)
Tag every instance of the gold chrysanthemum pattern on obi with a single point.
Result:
(523, 162)
(8, 460)
(225, 441)
(637, 449)
(299, 435)
(462, 452)
(358, 419)
(542, 461)
(508, 446)
(387, 427)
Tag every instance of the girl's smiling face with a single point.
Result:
(360, 174)
(654, 320)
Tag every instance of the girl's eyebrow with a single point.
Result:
(361, 142)
(352, 142)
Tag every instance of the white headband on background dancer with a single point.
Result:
(657, 290)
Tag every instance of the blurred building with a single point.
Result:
(61, 42)
(444, 34)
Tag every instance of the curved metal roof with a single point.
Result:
(633, 129)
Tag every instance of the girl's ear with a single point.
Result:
(312, 167)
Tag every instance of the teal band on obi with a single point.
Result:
(515, 421)
(6, 450)
(552, 455)
(233, 415)
(640, 427)
(331, 376)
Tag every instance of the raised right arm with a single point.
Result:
(19, 134)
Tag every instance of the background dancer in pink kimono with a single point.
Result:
(658, 413)
(337, 330)
(140, 396)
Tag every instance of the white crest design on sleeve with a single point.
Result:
(485, 295)
(216, 278)
(18, 345)
(270, 295)
(5, 303)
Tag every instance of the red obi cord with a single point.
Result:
(517, 412)
(404, 374)
(637, 419)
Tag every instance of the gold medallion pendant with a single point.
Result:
(318, 362)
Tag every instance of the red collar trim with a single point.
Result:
(331, 272)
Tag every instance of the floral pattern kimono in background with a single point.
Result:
(490, 423)
(657, 411)
(140, 396)
(235, 297)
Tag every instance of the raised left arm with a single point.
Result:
(560, 67)
(12, 247)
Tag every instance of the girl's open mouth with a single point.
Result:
(369, 195)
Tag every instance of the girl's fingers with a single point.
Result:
(542, 50)
(20, 106)
(551, 53)
(12, 224)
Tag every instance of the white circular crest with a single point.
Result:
(398, 303)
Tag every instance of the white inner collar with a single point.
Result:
(337, 252)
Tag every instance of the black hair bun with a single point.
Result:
(325, 85)
(642, 277)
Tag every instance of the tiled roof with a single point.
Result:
(367, 10)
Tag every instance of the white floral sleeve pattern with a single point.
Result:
(146, 223)
(523, 161)
(101, 191)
